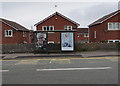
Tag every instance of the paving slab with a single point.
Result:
(60, 55)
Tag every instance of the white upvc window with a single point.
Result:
(51, 42)
(51, 28)
(95, 34)
(86, 35)
(24, 34)
(119, 26)
(113, 26)
(67, 27)
(113, 41)
(47, 28)
(8, 33)
(44, 28)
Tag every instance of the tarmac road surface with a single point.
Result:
(61, 71)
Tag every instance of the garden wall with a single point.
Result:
(17, 48)
(97, 46)
(30, 48)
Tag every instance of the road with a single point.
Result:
(97, 70)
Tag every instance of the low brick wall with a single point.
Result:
(30, 48)
(17, 48)
(97, 46)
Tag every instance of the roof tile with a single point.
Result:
(104, 18)
(14, 25)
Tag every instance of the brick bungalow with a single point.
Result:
(83, 35)
(57, 22)
(106, 29)
(14, 33)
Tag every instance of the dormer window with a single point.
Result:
(67, 27)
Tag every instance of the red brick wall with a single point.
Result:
(81, 37)
(23, 39)
(76, 37)
(58, 24)
(54, 37)
(17, 36)
(102, 32)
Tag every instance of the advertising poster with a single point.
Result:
(41, 41)
(67, 41)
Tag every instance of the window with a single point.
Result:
(116, 41)
(50, 42)
(67, 27)
(94, 34)
(86, 35)
(113, 41)
(8, 33)
(51, 28)
(114, 26)
(119, 25)
(110, 41)
(47, 28)
(110, 25)
(44, 28)
(24, 34)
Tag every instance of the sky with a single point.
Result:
(31, 12)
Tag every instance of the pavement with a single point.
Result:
(61, 55)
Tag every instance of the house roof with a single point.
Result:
(57, 13)
(14, 25)
(82, 30)
(105, 18)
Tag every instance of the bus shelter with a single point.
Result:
(66, 44)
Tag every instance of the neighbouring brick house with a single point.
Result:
(14, 33)
(83, 35)
(57, 22)
(106, 29)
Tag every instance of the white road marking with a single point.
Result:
(27, 62)
(96, 68)
(4, 70)
(60, 61)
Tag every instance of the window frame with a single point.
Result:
(24, 34)
(114, 26)
(113, 41)
(51, 42)
(7, 33)
(86, 36)
(48, 28)
(95, 34)
(67, 27)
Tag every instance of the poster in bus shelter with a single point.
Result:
(41, 41)
(67, 41)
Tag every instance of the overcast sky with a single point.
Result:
(84, 13)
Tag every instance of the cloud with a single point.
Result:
(29, 13)
(93, 12)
